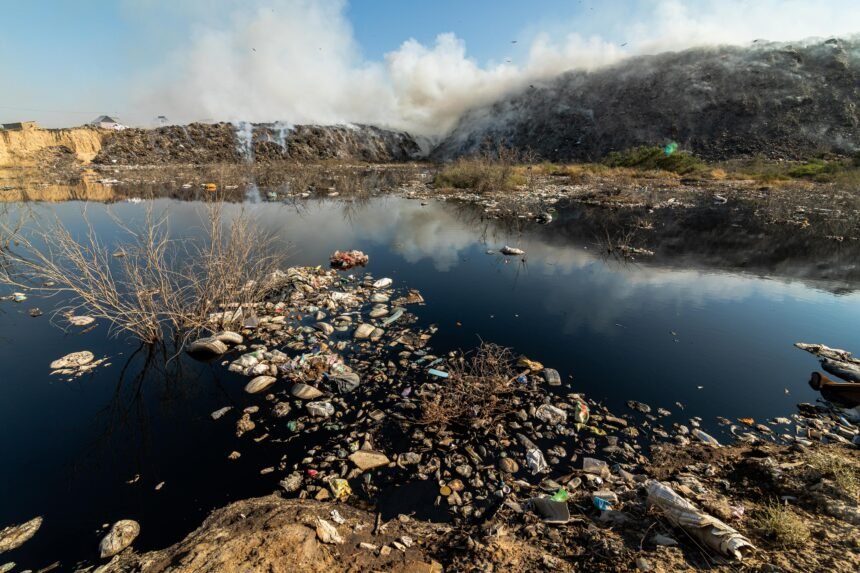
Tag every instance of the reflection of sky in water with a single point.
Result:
(606, 323)
(608, 328)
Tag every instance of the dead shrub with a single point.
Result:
(492, 170)
(478, 388)
(844, 475)
(150, 285)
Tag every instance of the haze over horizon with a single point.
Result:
(416, 67)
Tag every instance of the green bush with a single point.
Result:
(654, 158)
(817, 169)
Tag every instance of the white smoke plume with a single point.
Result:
(297, 61)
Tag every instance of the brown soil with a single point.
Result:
(274, 534)
(278, 535)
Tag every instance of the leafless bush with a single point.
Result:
(477, 389)
(150, 285)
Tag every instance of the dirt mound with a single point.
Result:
(38, 147)
(778, 100)
(200, 143)
(280, 536)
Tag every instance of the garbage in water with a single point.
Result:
(345, 260)
(511, 251)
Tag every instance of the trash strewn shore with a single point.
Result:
(486, 460)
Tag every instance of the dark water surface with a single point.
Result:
(68, 449)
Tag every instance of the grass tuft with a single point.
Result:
(844, 475)
(781, 524)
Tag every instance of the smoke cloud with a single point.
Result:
(297, 60)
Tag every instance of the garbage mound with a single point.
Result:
(504, 463)
(202, 143)
(779, 100)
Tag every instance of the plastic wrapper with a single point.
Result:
(707, 529)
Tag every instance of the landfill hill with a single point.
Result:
(779, 100)
(200, 143)
(203, 143)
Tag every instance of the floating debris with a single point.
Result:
(511, 251)
(345, 260)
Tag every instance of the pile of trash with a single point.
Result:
(345, 260)
(344, 373)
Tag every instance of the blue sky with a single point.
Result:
(63, 62)
(68, 61)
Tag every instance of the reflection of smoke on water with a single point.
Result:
(245, 140)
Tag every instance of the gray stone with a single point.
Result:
(508, 465)
(464, 470)
(378, 311)
(15, 536)
(220, 412)
(259, 384)
(363, 331)
(305, 391)
(368, 459)
(325, 328)
(121, 535)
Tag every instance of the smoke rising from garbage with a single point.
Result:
(297, 61)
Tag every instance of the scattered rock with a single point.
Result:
(217, 414)
(259, 384)
(15, 536)
(121, 535)
(508, 465)
(305, 391)
(368, 460)
(363, 331)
